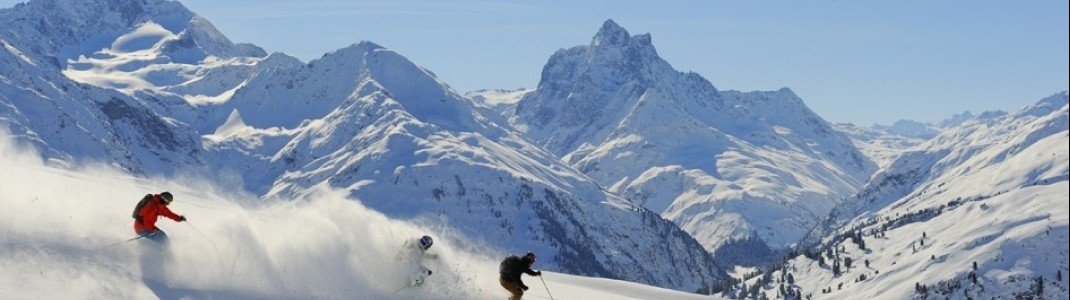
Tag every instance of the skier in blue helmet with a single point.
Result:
(426, 242)
(414, 253)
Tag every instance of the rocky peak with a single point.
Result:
(611, 34)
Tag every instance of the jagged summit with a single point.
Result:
(613, 35)
(610, 34)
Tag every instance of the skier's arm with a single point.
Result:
(166, 212)
(531, 272)
(520, 283)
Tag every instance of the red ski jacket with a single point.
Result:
(150, 212)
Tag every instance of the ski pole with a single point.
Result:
(203, 236)
(546, 287)
(195, 229)
(214, 247)
(408, 285)
(128, 240)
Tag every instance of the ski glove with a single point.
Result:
(181, 218)
(538, 273)
(524, 287)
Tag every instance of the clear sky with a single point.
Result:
(851, 61)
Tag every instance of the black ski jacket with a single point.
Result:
(511, 268)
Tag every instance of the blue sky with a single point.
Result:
(851, 61)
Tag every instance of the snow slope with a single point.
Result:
(1014, 238)
(57, 245)
(979, 211)
(724, 165)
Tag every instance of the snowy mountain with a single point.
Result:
(155, 89)
(750, 169)
(980, 211)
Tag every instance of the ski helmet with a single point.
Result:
(530, 257)
(166, 197)
(425, 242)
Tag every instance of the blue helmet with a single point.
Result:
(425, 242)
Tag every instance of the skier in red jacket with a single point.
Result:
(148, 210)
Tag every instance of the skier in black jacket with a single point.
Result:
(510, 270)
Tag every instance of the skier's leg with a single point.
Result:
(157, 236)
(512, 288)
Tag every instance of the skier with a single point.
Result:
(510, 270)
(413, 253)
(148, 210)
